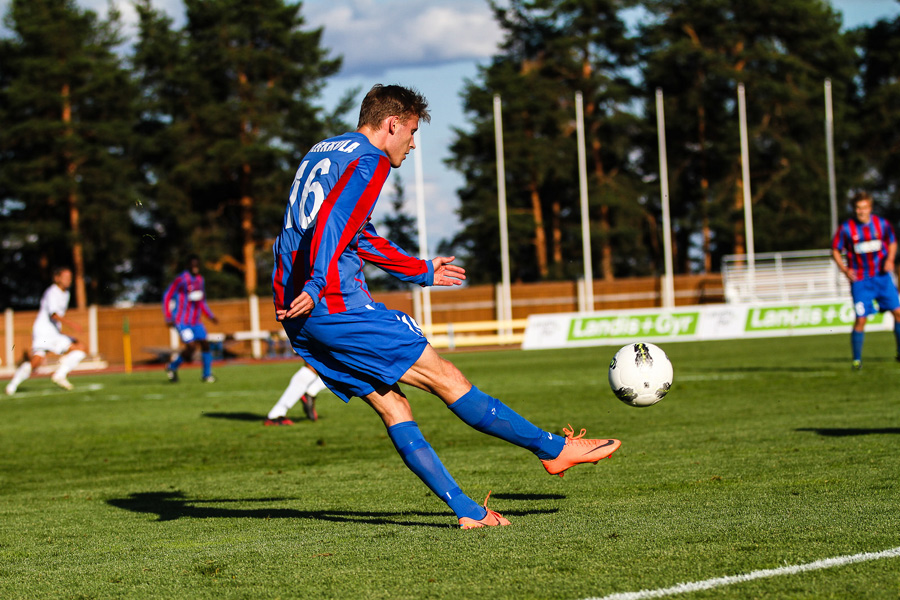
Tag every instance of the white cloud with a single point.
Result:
(174, 8)
(375, 35)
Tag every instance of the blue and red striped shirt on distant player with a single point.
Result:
(326, 233)
(185, 300)
(866, 245)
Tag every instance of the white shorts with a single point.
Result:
(53, 341)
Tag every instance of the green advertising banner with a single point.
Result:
(647, 325)
(771, 318)
(705, 322)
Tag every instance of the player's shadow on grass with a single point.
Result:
(848, 431)
(235, 416)
(502, 496)
(170, 506)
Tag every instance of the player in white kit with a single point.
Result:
(305, 385)
(46, 335)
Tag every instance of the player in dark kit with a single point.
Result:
(184, 303)
(358, 346)
(871, 246)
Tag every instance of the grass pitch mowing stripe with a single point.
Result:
(696, 586)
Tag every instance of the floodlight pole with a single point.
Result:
(585, 215)
(745, 180)
(668, 296)
(829, 148)
(506, 313)
(423, 234)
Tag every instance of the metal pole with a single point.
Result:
(585, 216)
(829, 148)
(501, 200)
(93, 332)
(10, 338)
(668, 281)
(423, 234)
(745, 180)
(255, 344)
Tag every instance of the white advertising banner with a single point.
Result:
(690, 323)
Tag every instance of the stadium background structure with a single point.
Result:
(150, 338)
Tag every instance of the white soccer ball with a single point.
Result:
(640, 374)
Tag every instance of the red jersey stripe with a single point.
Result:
(357, 219)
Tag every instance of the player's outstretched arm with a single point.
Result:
(446, 273)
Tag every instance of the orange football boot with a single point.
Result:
(578, 450)
(491, 519)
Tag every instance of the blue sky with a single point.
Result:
(433, 45)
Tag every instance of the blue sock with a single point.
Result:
(176, 363)
(489, 415)
(897, 336)
(422, 460)
(856, 341)
(207, 363)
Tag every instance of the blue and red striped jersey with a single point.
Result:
(326, 233)
(866, 245)
(185, 300)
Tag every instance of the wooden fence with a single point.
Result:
(459, 316)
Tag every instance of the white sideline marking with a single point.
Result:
(696, 586)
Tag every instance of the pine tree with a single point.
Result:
(231, 109)
(698, 51)
(879, 114)
(65, 116)
(553, 49)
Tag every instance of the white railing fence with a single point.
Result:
(782, 276)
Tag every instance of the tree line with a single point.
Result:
(119, 159)
(616, 54)
(120, 156)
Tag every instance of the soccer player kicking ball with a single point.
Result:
(183, 305)
(871, 247)
(358, 346)
(47, 336)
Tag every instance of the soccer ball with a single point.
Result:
(640, 374)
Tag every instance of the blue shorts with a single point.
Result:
(359, 350)
(191, 333)
(874, 294)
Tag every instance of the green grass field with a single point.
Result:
(766, 453)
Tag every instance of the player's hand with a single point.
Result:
(447, 274)
(214, 320)
(302, 305)
(851, 275)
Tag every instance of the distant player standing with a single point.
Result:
(184, 303)
(871, 247)
(47, 335)
(358, 346)
(304, 386)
